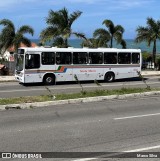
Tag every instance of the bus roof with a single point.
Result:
(71, 49)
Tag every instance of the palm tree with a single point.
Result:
(116, 32)
(10, 37)
(123, 44)
(100, 39)
(150, 34)
(59, 42)
(60, 25)
(103, 36)
(93, 43)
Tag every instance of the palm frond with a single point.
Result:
(110, 25)
(79, 35)
(102, 34)
(119, 28)
(26, 29)
(7, 23)
(49, 33)
(74, 16)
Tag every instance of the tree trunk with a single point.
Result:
(66, 43)
(111, 42)
(154, 53)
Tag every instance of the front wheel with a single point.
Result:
(109, 77)
(49, 80)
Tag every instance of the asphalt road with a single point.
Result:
(108, 126)
(14, 89)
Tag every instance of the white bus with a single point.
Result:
(51, 65)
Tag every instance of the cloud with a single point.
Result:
(86, 1)
(132, 4)
(6, 3)
(108, 3)
(112, 3)
(12, 4)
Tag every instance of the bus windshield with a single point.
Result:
(19, 63)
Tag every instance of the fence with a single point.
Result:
(11, 67)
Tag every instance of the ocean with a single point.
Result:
(76, 43)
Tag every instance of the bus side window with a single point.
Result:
(80, 58)
(32, 61)
(110, 58)
(135, 58)
(124, 58)
(48, 58)
(63, 58)
(96, 57)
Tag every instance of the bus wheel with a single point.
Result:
(49, 80)
(109, 77)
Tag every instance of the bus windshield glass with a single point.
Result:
(19, 63)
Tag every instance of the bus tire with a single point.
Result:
(49, 79)
(109, 77)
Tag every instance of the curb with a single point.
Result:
(73, 101)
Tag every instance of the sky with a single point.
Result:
(128, 13)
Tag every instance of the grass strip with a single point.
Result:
(84, 94)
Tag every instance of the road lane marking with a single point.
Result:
(142, 149)
(85, 159)
(137, 116)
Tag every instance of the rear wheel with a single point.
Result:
(109, 77)
(49, 80)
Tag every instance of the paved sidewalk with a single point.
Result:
(7, 79)
(144, 73)
(150, 73)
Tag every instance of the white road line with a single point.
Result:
(142, 149)
(138, 116)
(85, 159)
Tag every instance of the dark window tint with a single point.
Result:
(135, 58)
(80, 58)
(95, 58)
(124, 58)
(32, 61)
(20, 51)
(110, 58)
(48, 58)
(63, 58)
